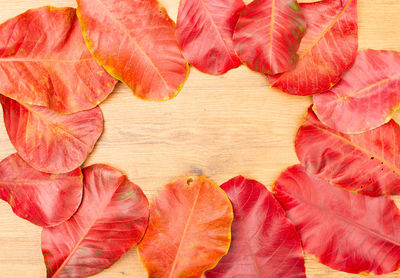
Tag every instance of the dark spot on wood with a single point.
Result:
(197, 171)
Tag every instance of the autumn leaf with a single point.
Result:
(135, 42)
(326, 51)
(366, 97)
(262, 236)
(268, 34)
(189, 229)
(364, 163)
(41, 198)
(51, 142)
(44, 61)
(111, 220)
(345, 231)
(204, 31)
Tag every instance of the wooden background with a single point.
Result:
(218, 126)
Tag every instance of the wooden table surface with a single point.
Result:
(218, 126)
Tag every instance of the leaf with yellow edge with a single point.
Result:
(135, 42)
(189, 229)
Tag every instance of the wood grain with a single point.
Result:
(218, 126)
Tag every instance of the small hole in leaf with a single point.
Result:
(189, 181)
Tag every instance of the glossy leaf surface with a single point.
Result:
(111, 220)
(48, 141)
(366, 97)
(204, 31)
(44, 61)
(364, 163)
(262, 236)
(189, 229)
(327, 49)
(268, 34)
(143, 52)
(41, 198)
(346, 231)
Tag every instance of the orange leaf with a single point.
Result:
(189, 229)
(135, 42)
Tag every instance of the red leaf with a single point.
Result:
(135, 42)
(41, 198)
(204, 32)
(189, 229)
(348, 232)
(364, 163)
(44, 61)
(112, 219)
(327, 50)
(366, 97)
(264, 242)
(268, 34)
(48, 141)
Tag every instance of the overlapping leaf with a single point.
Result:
(268, 34)
(111, 220)
(189, 229)
(326, 51)
(367, 95)
(41, 198)
(364, 163)
(264, 242)
(204, 32)
(44, 61)
(135, 41)
(346, 231)
(48, 141)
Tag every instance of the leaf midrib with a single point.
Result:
(271, 30)
(10, 60)
(256, 266)
(30, 182)
(171, 273)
